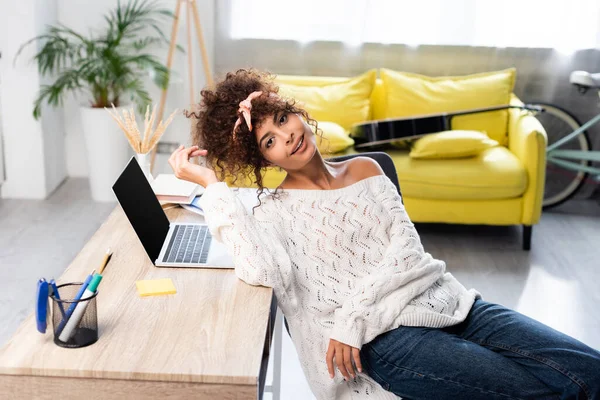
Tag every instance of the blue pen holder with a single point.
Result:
(83, 330)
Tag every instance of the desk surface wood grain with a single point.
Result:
(212, 331)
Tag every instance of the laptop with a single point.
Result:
(168, 244)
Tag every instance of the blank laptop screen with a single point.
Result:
(142, 208)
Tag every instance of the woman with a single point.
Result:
(350, 273)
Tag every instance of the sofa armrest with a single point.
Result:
(527, 140)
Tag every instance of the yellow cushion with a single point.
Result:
(334, 138)
(378, 101)
(410, 94)
(343, 101)
(451, 144)
(495, 173)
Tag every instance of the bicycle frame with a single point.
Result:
(558, 157)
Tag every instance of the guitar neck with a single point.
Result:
(485, 109)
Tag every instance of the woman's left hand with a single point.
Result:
(343, 355)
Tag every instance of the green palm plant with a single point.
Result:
(111, 67)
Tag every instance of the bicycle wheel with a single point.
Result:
(561, 183)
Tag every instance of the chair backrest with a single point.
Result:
(384, 160)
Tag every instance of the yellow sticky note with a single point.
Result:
(155, 287)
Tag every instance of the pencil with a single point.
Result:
(105, 261)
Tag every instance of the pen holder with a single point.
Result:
(75, 322)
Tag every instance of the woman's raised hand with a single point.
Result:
(186, 170)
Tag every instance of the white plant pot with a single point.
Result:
(107, 151)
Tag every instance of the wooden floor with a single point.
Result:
(556, 282)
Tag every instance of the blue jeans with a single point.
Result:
(496, 353)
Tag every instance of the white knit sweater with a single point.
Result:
(345, 264)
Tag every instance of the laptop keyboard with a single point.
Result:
(189, 244)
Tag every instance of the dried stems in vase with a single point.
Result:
(141, 143)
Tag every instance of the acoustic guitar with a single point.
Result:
(380, 132)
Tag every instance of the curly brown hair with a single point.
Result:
(217, 113)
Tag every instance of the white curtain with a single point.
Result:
(563, 25)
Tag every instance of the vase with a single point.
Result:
(144, 161)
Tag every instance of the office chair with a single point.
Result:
(387, 164)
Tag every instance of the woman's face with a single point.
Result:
(278, 138)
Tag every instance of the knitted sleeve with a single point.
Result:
(258, 255)
(404, 272)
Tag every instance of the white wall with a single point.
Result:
(81, 15)
(2, 172)
(33, 150)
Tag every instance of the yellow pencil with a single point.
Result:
(105, 261)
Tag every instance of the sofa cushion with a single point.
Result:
(495, 173)
(343, 101)
(334, 138)
(408, 94)
(451, 144)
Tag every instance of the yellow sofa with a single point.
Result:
(503, 185)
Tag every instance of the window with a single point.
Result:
(564, 25)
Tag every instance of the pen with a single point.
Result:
(105, 261)
(55, 292)
(73, 305)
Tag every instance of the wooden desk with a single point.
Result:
(211, 340)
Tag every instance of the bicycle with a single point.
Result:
(569, 155)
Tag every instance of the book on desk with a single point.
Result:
(170, 189)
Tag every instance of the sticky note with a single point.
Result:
(155, 287)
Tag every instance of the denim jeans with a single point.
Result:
(496, 353)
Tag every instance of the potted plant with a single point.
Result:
(109, 68)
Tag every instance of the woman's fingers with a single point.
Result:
(348, 360)
(344, 355)
(180, 161)
(193, 151)
(356, 356)
(329, 359)
(183, 155)
(339, 360)
(190, 150)
(174, 156)
(199, 152)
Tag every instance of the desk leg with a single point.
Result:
(278, 344)
(273, 327)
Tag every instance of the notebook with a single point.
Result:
(171, 189)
